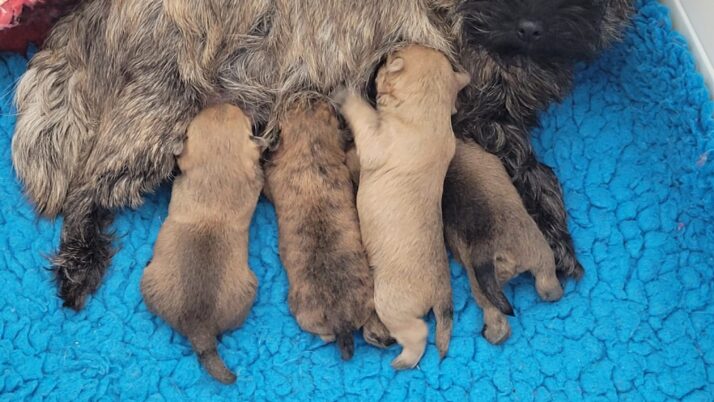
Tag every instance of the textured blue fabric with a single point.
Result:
(631, 146)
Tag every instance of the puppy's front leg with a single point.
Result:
(364, 121)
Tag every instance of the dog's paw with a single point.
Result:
(375, 333)
(405, 361)
(341, 95)
(549, 288)
(497, 331)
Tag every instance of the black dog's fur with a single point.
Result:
(514, 78)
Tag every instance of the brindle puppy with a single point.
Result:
(504, 240)
(199, 280)
(404, 150)
(331, 287)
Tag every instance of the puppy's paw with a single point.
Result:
(548, 287)
(405, 361)
(340, 95)
(327, 338)
(497, 330)
(261, 142)
(375, 333)
(343, 95)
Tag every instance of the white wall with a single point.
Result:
(695, 20)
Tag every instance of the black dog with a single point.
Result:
(521, 56)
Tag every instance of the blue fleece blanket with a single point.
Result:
(631, 146)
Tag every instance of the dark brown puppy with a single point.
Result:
(199, 280)
(504, 240)
(331, 286)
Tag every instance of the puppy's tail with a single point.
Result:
(444, 314)
(346, 343)
(205, 347)
(486, 277)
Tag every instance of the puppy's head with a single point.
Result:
(418, 70)
(310, 121)
(539, 30)
(220, 134)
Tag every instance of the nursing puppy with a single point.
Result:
(199, 280)
(331, 286)
(404, 149)
(504, 240)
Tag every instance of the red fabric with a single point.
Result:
(28, 21)
(10, 11)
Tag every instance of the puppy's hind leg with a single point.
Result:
(547, 283)
(411, 334)
(376, 333)
(496, 328)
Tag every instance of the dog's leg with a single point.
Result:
(363, 119)
(411, 334)
(547, 283)
(543, 198)
(496, 328)
(375, 332)
(536, 183)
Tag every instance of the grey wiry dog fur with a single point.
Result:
(104, 106)
(507, 240)
(404, 149)
(199, 280)
(331, 286)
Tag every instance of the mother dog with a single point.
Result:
(104, 106)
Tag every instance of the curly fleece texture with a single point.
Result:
(631, 146)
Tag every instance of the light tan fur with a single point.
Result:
(199, 280)
(404, 149)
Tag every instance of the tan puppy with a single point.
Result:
(331, 286)
(404, 149)
(199, 280)
(505, 240)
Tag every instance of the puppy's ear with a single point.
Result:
(462, 79)
(395, 65)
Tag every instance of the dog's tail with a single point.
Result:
(444, 314)
(205, 346)
(485, 272)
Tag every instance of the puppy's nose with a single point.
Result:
(530, 31)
